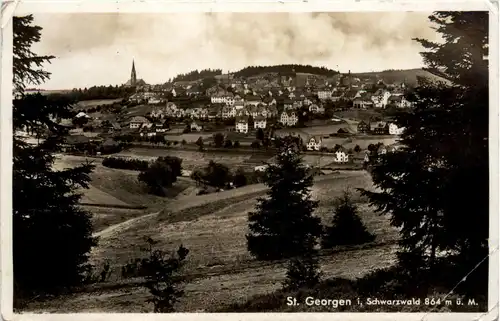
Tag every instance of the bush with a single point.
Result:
(228, 144)
(162, 279)
(255, 144)
(156, 177)
(124, 163)
(216, 174)
(347, 227)
(160, 174)
(236, 144)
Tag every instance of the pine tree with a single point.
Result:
(347, 227)
(52, 235)
(436, 187)
(283, 224)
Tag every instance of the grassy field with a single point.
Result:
(213, 227)
(190, 159)
(86, 104)
(358, 114)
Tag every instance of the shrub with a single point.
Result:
(163, 279)
(228, 144)
(156, 177)
(236, 144)
(347, 228)
(255, 144)
(124, 163)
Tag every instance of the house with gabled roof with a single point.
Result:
(138, 122)
(260, 122)
(241, 124)
(380, 128)
(341, 155)
(314, 143)
(289, 118)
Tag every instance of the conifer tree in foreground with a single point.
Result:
(347, 227)
(52, 235)
(283, 224)
(436, 188)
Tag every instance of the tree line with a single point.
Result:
(197, 74)
(288, 69)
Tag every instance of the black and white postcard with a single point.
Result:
(232, 158)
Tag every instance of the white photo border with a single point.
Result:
(26, 7)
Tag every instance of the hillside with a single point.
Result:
(288, 70)
(397, 76)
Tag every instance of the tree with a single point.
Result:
(52, 234)
(157, 176)
(199, 143)
(163, 279)
(255, 144)
(347, 228)
(259, 135)
(228, 143)
(432, 185)
(240, 178)
(218, 140)
(175, 164)
(216, 174)
(283, 225)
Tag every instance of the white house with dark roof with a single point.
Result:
(138, 122)
(314, 143)
(241, 124)
(395, 130)
(288, 118)
(341, 156)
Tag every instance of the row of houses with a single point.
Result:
(379, 128)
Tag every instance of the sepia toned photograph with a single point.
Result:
(251, 162)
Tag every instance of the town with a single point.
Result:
(342, 116)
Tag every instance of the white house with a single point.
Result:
(196, 127)
(324, 94)
(341, 156)
(138, 122)
(314, 143)
(288, 118)
(380, 98)
(242, 124)
(260, 168)
(395, 130)
(259, 122)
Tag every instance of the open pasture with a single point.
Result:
(86, 104)
(218, 261)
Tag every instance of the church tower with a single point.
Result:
(133, 75)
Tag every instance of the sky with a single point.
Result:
(98, 48)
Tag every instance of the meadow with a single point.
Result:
(213, 228)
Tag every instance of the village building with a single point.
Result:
(138, 122)
(196, 126)
(398, 101)
(242, 124)
(380, 98)
(395, 130)
(325, 94)
(314, 143)
(260, 122)
(288, 118)
(363, 127)
(379, 128)
(341, 156)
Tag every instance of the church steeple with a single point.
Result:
(133, 75)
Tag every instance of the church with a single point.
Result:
(133, 81)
